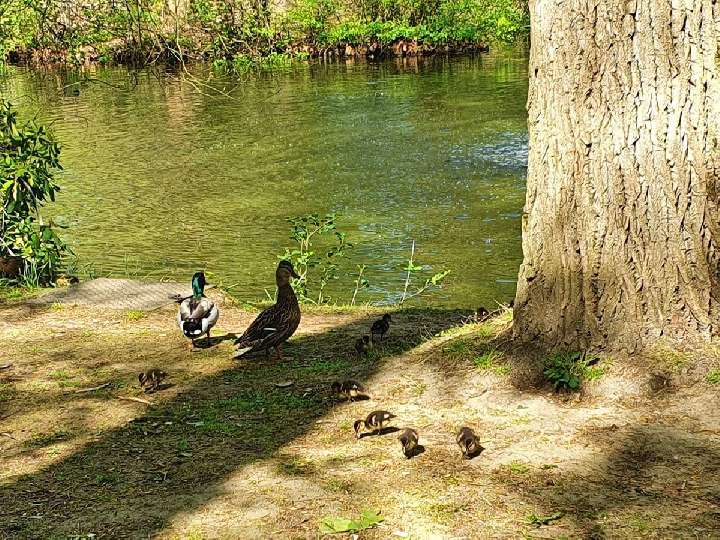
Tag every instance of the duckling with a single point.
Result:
(363, 345)
(381, 327)
(373, 421)
(469, 443)
(350, 389)
(150, 380)
(409, 440)
(482, 314)
(197, 314)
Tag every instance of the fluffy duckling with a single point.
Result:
(482, 314)
(373, 421)
(150, 380)
(363, 345)
(409, 440)
(350, 389)
(381, 327)
(197, 314)
(469, 443)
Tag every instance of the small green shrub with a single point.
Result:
(713, 376)
(568, 370)
(29, 159)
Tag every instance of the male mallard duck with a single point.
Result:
(150, 380)
(409, 440)
(374, 421)
(350, 389)
(363, 345)
(381, 327)
(197, 313)
(276, 324)
(469, 443)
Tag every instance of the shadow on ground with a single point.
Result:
(131, 481)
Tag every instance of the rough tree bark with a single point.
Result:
(620, 229)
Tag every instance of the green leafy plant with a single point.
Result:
(434, 281)
(360, 283)
(568, 370)
(313, 268)
(29, 160)
(713, 376)
(368, 519)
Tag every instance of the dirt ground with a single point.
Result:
(223, 452)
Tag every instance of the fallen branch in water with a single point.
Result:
(92, 389)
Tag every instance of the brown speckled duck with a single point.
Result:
(276, 324)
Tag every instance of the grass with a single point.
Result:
(41, 440)
(222, 446)
(713, 376)
(489, 361)
(134, 315)
(517, 467)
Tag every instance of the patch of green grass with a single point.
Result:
(568, 370)
(40, 440)
(60, 375)
(319, 366)
(517, 467)
(639, 524)
(489, 361)
(713, 376)
(418, 389)
(295, 467)
(56, 306)
(442, 513)
(7, 392)
(338, 485)
(135, 315)
(458, 347)
(107, 478)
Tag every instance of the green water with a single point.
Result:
(164, 176)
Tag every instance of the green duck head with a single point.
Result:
(198, 285)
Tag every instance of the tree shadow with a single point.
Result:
(132, 480)
(655, 480)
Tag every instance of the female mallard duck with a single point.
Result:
(276, 324)
(197, 313)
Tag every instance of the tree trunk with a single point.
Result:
(620, 229)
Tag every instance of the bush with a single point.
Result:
(568, 370)
(29, 159)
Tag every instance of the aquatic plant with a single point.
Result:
(29, 160)
(432, 282)
(311, 266)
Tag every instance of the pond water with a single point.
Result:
(164, 175)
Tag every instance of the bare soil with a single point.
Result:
(222, 452)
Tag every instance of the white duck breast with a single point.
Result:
(197, 317)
